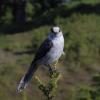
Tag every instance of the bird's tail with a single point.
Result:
(25, 79)
(22, 85)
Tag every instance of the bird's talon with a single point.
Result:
(52, 72)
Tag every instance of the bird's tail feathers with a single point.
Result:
(22, 85)
(28, 76)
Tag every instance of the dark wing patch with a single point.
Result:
(44, 48)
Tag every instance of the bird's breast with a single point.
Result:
(58, 45)
(57, 49)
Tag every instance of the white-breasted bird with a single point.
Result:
(49, 52)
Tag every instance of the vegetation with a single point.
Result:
(23, 26)
(49, 89)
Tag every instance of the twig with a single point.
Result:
(49, 89)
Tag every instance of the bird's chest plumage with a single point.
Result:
(57, 46)
(57, 49)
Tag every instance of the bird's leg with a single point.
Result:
(52, 68)
(55, 65)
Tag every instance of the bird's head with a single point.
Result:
(56, 30)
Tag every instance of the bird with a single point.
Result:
(49, 52)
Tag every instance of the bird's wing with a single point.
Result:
(44, 49)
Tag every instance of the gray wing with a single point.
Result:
(44, 49)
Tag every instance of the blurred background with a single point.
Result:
(23, 26)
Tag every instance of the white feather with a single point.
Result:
(22, 85)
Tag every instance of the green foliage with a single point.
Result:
(49, 89)
(46, 4)
(29, 11)
(90, 92)
(96, 93)
(9, 43)
(7, 17)
(96, 79)
(84, 93)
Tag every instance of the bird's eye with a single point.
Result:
(59, 30)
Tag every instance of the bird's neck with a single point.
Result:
(52, 36)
